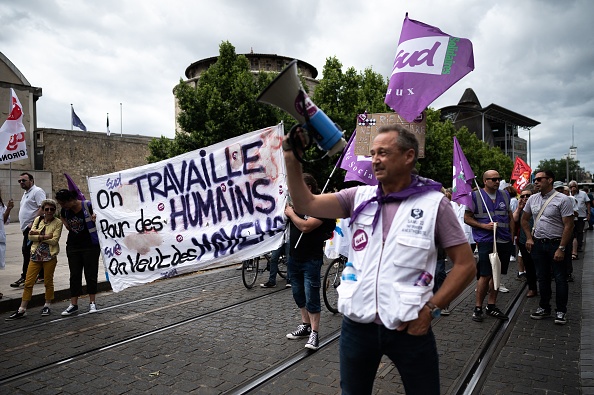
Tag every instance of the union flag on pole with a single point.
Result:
(428, 62)
(12, 133)
(358, 167)
(462, 177)
(521, 174)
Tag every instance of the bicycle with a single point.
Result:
(331, 282)
(251, 268)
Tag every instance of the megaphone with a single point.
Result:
(287, 93)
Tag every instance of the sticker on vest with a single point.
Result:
(501, 205)
(360, 240)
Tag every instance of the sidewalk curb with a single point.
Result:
(11, 304)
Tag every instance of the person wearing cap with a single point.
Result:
(547, 241)
(583, 214)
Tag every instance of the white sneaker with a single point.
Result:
(512, 258)
(92, 308)
(503, 289)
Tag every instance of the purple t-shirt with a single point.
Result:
(448, 232)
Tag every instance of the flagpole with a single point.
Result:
(120, 119)
(71, 123)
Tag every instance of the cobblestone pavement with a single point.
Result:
(204, 335)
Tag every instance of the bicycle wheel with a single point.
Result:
(249, 272)
(282, 266)
(331, 282)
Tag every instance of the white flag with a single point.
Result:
(12, 133)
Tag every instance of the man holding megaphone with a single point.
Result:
(397, 228)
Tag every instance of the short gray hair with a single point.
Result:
(406, 139)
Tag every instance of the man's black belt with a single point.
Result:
(546, 241)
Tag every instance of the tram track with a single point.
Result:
(274, 371)
(94, 351)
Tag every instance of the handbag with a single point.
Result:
(494, 259)
(42, 253)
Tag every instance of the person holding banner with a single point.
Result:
(30, 208)
(307, 237)
(490, 205)
(82, 247)
(396, 228)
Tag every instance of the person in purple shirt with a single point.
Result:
(396, 229)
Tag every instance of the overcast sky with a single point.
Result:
(532, 57)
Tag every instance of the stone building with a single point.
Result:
(51, 152)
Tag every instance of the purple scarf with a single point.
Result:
(417, 185)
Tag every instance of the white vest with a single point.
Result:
(386, 274)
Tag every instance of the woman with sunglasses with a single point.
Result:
(82, 247)
(45, 236)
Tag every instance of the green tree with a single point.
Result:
(439, 147)
(561, 167)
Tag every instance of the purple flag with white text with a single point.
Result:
(428, 62)
(462, 177)
(358, 167)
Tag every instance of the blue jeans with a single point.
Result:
(306, 283)
(542, 256)
(274, 257)
(363, 345)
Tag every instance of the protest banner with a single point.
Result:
(220, 204)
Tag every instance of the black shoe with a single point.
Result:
(540, 313)
(302, 331)
(313, 342)
(45, 311)
(70, 310)
(477, 315)
(268, 284)
(495, 312)
(16, 315)
(560, 318)
(18, 283)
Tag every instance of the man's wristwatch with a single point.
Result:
(435, 311)
(562, 248)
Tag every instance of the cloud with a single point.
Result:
(532, 57)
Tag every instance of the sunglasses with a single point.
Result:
(494, 179)
(524, 196)
(538, 179)
(21, 181)
(49, 209)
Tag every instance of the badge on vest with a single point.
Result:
(360, 240)
(416, 213)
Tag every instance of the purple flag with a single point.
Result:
(463, 176)
(428, 62)
(359, 168)
(73, 187)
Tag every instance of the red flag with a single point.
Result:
(521, 174)
(12, 133)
